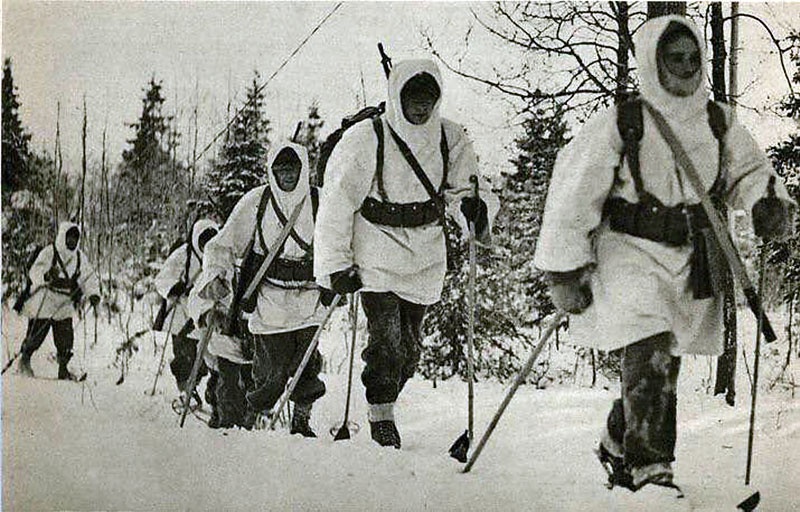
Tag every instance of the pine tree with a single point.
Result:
(310, 138)
(510, 293)
(151, 189)
(16, 152)
(26, 185)
(241, 165)
(785, 158)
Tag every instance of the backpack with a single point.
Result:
(333, 139)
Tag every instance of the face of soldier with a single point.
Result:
(71, 238)
(287, 174)
(679, 66)
(417, 107)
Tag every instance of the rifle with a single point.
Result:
(272, 253)
(386, 61)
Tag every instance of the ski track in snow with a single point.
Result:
(99, 446)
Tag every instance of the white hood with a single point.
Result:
(61, 242)
(199, 227)
(646, 42)
(288, 200)
(418, 137)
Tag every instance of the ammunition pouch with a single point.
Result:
(669, 225)
(400, 215)
(284, 269)
(675, 226)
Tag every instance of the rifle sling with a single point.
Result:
(717, 227)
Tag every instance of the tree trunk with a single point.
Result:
(656, 9)
(725, 381)
(718, 53)
(624, 45)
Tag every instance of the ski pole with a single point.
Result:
(460, 448)
(344, 431)
(312, 346)
(756, 357)
(523, 373)
(471, 332)
(201, 348)
(164, 351)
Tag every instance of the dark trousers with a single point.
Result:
(275, 359)
(63, 337)
(643, 421)
(233, 382)
(393, 349)
(184, 351)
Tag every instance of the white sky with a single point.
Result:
(107, 51)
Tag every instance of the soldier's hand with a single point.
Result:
(213, 316)
(569, 291)
(346, 281)
(326, 296)
(94, 300)
(216, 290)
(475, 211)
(769, 215)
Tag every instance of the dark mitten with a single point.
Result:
(769, 215)
(475, 211)
(569, 291)
(346, 281)
(177, 290)
(94, 300)
(326, 296)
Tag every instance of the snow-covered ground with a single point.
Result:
(101, 446)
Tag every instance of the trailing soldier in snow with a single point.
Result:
(173, 283)
(380, 227)
(60, 278)
(626, 245)
(287, 306)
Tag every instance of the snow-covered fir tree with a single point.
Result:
(27, 189)
(310, 138)
(241, 164)
(510, 293)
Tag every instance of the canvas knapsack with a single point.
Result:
(333, 139)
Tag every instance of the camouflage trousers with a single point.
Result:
(393, 349)
(641, 427)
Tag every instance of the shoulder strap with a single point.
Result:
(445, 149)
(719, 127)
(266, 195)
(630, 125)
(283, 220)
(377, 125)
(417, 168)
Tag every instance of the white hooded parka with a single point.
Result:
(410, 262)
(173, 271)
(45, 302)
(641, 287)
(278, 308)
